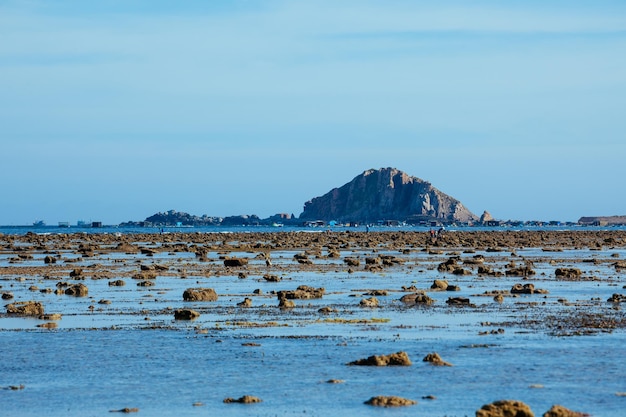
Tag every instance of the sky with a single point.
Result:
(118, 109)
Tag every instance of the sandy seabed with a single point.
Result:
(532, 315)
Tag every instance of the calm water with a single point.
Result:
(111, 357)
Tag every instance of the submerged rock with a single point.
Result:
(389, 401)
(505, 408)
(394, 359)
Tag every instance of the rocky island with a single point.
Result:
(385, 195)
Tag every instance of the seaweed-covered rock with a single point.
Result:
(200, 294)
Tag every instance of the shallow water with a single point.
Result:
(132, 353)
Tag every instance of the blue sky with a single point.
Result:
(115, 110)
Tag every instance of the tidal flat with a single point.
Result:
(176, 323)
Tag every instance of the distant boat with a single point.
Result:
(277, 225)
(39, 223)
(64, 224)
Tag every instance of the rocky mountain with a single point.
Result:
(386, 194)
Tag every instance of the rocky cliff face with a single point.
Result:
(386, 194)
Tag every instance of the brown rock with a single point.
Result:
(395, 359)
(560, 411)
(284, 303)
(77, 290)
(200, 294)
(436, 360)
(568, 273)
(247, 302)
(439, 285)
(303, 292)
(25, 308)
(233, 262)
(186, 314)
(505, 408)
(417, 298)
(369, 302)
(389, 401)
(246, 399)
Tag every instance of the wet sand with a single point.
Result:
(497, 286)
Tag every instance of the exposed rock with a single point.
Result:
(417, 298)
(145, 284)
(449, 265)
(284, 303)
(25, 308)
(303, 292)
(505, 408)
(394, 359)
(117, 283)
(560, 411)
(486, 217)
(568, 273)
(76, 273)
(49, 260)
(527, 289)
(459, 301)
(200, 294)
(234, 262)
(271, 278)
(125, 410)
(439, 285)
(389, 401)
(49, 325)
(247, 302)
(369, 302)
(246, 399)
(386, 193)
(77, 290)
(435, 359)
(352, 261)
(7, 295)
(617, 298)
(186, 314)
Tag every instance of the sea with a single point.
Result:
(131, 355)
